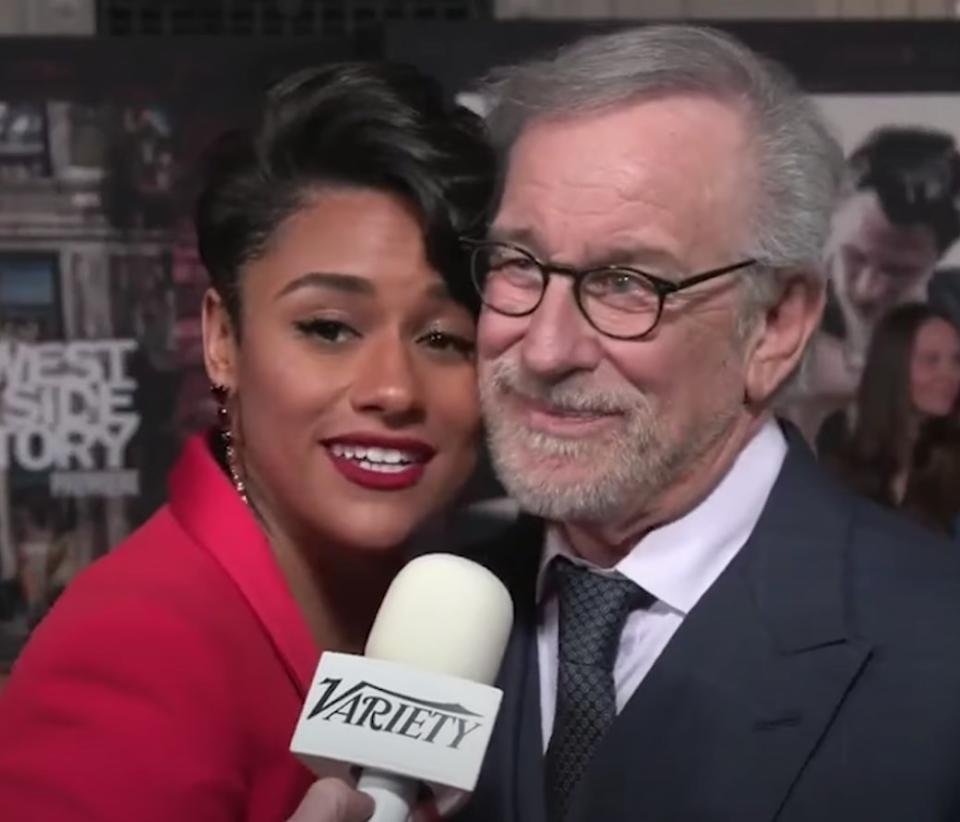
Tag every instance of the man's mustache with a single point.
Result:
(569, 394)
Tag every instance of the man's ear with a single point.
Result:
(780, 337)
(219, 341)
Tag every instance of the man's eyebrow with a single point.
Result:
(635, 255)
(622, 254)
(519, 235)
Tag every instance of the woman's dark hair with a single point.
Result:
(916, 175)
(880, 442)
(367, 125)
(933, 490)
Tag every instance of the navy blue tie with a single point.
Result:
(593, 610)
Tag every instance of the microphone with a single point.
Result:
(418, 707)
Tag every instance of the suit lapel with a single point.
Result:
(510, 788)
(726, 719)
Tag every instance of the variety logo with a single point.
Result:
(369, 706)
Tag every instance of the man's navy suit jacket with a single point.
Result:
(818, 679)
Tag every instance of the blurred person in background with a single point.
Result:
(899, 215)
(897, 443)
(933, 490)
(35, 537)
(338, 334)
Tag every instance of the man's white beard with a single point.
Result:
(594, 479)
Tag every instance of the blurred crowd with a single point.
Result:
(878, 391)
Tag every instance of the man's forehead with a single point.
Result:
(640, 124)
(633, 147)
(626, 180)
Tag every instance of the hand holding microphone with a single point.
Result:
(417, 708)
(332, 800)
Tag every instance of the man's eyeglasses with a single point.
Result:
(619, 302)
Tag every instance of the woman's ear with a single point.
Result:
(219, 341)
(780, 338)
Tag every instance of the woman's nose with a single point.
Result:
(387, 382)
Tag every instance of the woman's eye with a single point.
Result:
(328, 330)
(442, 341)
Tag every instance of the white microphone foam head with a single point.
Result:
(444, 614)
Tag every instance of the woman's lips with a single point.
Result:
(379, 463)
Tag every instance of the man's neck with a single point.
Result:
(608, 543)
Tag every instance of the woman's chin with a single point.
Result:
(373, 539)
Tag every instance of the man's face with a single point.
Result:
(874, 264)
(583, 427)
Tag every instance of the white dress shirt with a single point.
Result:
(676, 563)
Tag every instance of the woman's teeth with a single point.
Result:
(373, 458)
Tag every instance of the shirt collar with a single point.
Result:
(679, 561)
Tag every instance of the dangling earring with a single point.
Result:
(221, 393)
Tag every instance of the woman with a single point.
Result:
(338, 333)
(898, 443)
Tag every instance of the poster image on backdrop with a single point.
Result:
(100, 367)
(893, 236)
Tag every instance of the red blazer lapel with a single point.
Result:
(209, 509)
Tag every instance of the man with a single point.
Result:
(707, 628)
(899, 215)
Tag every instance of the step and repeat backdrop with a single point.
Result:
(101, 372)
(101, 375)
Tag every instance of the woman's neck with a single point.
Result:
(337, 588)
(338, 591)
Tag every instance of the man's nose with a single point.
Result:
(559, 339)
(868, 284)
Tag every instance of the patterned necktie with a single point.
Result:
(593, 610)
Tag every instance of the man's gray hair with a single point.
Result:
(800, 165)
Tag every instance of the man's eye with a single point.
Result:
(518, 262)
(900, 273)
(619, 282)
(614, 283)
(854, 256)
(324, 329)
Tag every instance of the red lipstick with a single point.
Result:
(379, 462)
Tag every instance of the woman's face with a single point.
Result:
(935, 368)
(353, 393)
